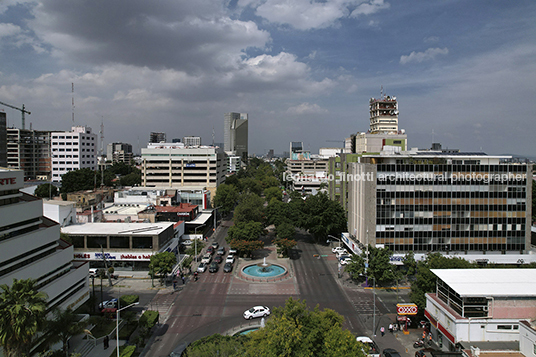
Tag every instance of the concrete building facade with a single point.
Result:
(235, 134)
(191, 140)
(383, 114)
(3, 139)
(30, 247)
(119, 152)
(155, 137)
(29, 150)
(73, 150)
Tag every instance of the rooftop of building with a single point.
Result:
(58, 202)
(117, 228)
(490, 282)
(182, 207)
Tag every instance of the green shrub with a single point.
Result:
(126, 300)
(149, 319)
(127, 330)
(124, 351)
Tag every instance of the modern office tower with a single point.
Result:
(169, 165)
(192, 140)
(3, 140)
(426, 201)
(73, 150)
(235, 132)
(29, 151)
(31, 247)
(383, 115)
(157, 137)
(233, 163)
(296, 150)
(119, 152)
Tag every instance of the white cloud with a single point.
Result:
(427, 55)
(310, 14)
(370, 7)
(431, 39)
(307, 108)
(7, 30)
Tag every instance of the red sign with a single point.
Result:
(8, 181)
(401, 318)
(406, 309)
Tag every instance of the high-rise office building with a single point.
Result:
(383, 115)
(235, 133)
(3, 140)
(29, 151)
(157, 137)
(31, 247)
(119, 152)
(73, 150)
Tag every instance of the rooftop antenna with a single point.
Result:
(381, 92)
(102, 136)
(72, 91)
(433, 136)
(213, 134)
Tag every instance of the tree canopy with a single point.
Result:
(322, 216)
(46, 190)
(226, 197)
(250, 208)
(249, 231)
(273, 193)
(162, 263)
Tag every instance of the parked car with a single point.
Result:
(218, 259)
(210, 250)
(213, 268)
(230, 259)
(425, 352)
(373, 350)
(207, 258)
(228, 267)
(94, 272)
(346, 261)
(187, 242)
(232, 251)
(389, 352)
(337, 250)
(256, 311)
(109, 304)
(221, 251)
(215, 245)
(202, 268)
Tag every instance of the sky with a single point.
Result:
(463, 72)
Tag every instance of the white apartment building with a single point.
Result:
(73, 150)
(191, 140)
(174, 165)
(30, 247)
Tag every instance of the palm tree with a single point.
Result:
(65, 325)
(22, 315)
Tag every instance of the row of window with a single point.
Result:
(27, 261)
(56, 143)
(451, 194)
(454, 247)
(401, 168)
(449, 220)
(115, 242)
(73, 137)
(450, 234)
(520, 207)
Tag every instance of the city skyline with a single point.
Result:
(462, 72)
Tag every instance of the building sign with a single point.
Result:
(8, 181)
(113, 256)
(183, 213)
(406, 309)
(189, 165)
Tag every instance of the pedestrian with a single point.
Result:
(183, 280)
(106, 342)
(382, 330)
(391, 328)
(430, 338)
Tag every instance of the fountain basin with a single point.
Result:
(262, 271)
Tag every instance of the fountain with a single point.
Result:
(264, 270)
(265, 267)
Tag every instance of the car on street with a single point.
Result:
(337, 250)
(221, 251)
(346, 261)
(218, 259)
(256, 311)
(109, 304)
(213, 268)
(230, 259)
(202, 268)
(389, 352)
(187, 242)
(371, 346)
(232, 251)
(425, 352)
(94, 272)
(210, 250)
(215, 245)
(228, 267)
(207, 258)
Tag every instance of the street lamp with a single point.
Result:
(195, 241)
(330, 236)
(117, 325)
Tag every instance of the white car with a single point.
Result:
(373, 350)
(109, 304)
(232, 251)
(346, 261)
(207, 258)
(230, 259)
(340, 254)
(202, 268)
(338, 250)
(256, 311)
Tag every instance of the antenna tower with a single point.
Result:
(213, 135)
(72, 92)
(102, 137)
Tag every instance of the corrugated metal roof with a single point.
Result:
(490, 282)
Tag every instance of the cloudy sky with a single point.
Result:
(304, 70)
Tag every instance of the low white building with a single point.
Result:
(30, 247)
(73, 150)
(480, 305)
(63, 212)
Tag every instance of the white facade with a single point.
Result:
(233, 163)
(73, 150)
(191, 140)
(63, 212)
(30, 247)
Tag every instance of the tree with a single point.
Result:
(380, 267)
(285, 245)
(246, 247)
(248, 231)
(251, 185)
(285, 231)
(294, 330)
(162, 264)
(22, 316)
(217, 345)
(63, 326)
(410, 263)
(46, 190)
(131, 179)
(78, 180)
(322, 216)
(356, 268)
(250, 208)
(273, 192)
(278, 212)
(225, 198)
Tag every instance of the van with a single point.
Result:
(373, 350)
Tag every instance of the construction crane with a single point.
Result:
(22, 110)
